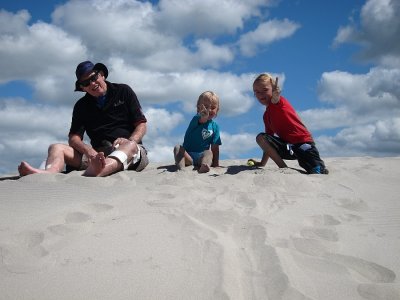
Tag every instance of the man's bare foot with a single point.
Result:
(96, 165)
(204, 168)
(26, 169)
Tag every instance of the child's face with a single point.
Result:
(212, 107)
(263, 92)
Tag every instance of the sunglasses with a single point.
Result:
(93, 78)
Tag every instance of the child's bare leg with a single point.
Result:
(276, 158)
(179, 155)
(205, 161)
(188, 159)
(271, 152)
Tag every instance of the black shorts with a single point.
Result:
(306, 153)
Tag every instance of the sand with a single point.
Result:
(233, 233)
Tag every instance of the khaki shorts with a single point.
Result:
(138, 166)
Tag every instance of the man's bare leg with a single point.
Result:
(26, 169)
(96, 165)
(206, 161)
(102, 166)
(58, 154)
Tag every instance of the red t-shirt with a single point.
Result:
(281, 119)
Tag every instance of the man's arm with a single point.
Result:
(139, 132)
(75, 141)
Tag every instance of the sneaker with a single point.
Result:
(319, 170)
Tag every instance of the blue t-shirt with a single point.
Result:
(199, 137)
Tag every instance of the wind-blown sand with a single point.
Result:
(234, 233)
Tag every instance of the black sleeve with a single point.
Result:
(77, 126)
(135, 109)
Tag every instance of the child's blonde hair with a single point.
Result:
(208, 95)
(264, 78)
(267, 79)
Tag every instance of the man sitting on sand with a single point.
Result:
(112, 117)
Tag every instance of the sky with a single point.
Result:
(338, 63)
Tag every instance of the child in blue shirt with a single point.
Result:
(202, 133)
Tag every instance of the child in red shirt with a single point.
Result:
(285, 137)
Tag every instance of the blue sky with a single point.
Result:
(338, 64)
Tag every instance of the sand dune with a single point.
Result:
(234, 233)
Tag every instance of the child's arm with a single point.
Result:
(215, 152)
(204, 113)
(261, 163)
(276, 91)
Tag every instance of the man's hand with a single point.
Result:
(90, 153)
(276, 91)
(121, 141)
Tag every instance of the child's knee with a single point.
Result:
(260, 138)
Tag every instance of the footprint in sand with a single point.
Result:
(350, 218)
(321, 220)
(347, 198)
(352, 204)
(24, 253)
(309, 246)
(381, 278)
(243, 200)
(327, 234)
(379, 292)
(163, 200)
(371, 271)
(100, 207)
(60, 229)
(30, 239)
(77, 217)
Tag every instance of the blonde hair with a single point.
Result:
(264, 78)
(208, 95)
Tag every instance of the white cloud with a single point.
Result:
(365, 105)
(185, 87)
(21, 117)
(160, 122)
(54, 50)
(158, 140)
(365, 110)
(265, 34)
(381, 138)
(114, 27)
(28, 129)
(207, 17)
(378, 32)
(212, 55)
(320, 119)
(42, 54)
(235, 145)
(10, 24)
(373, 93)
